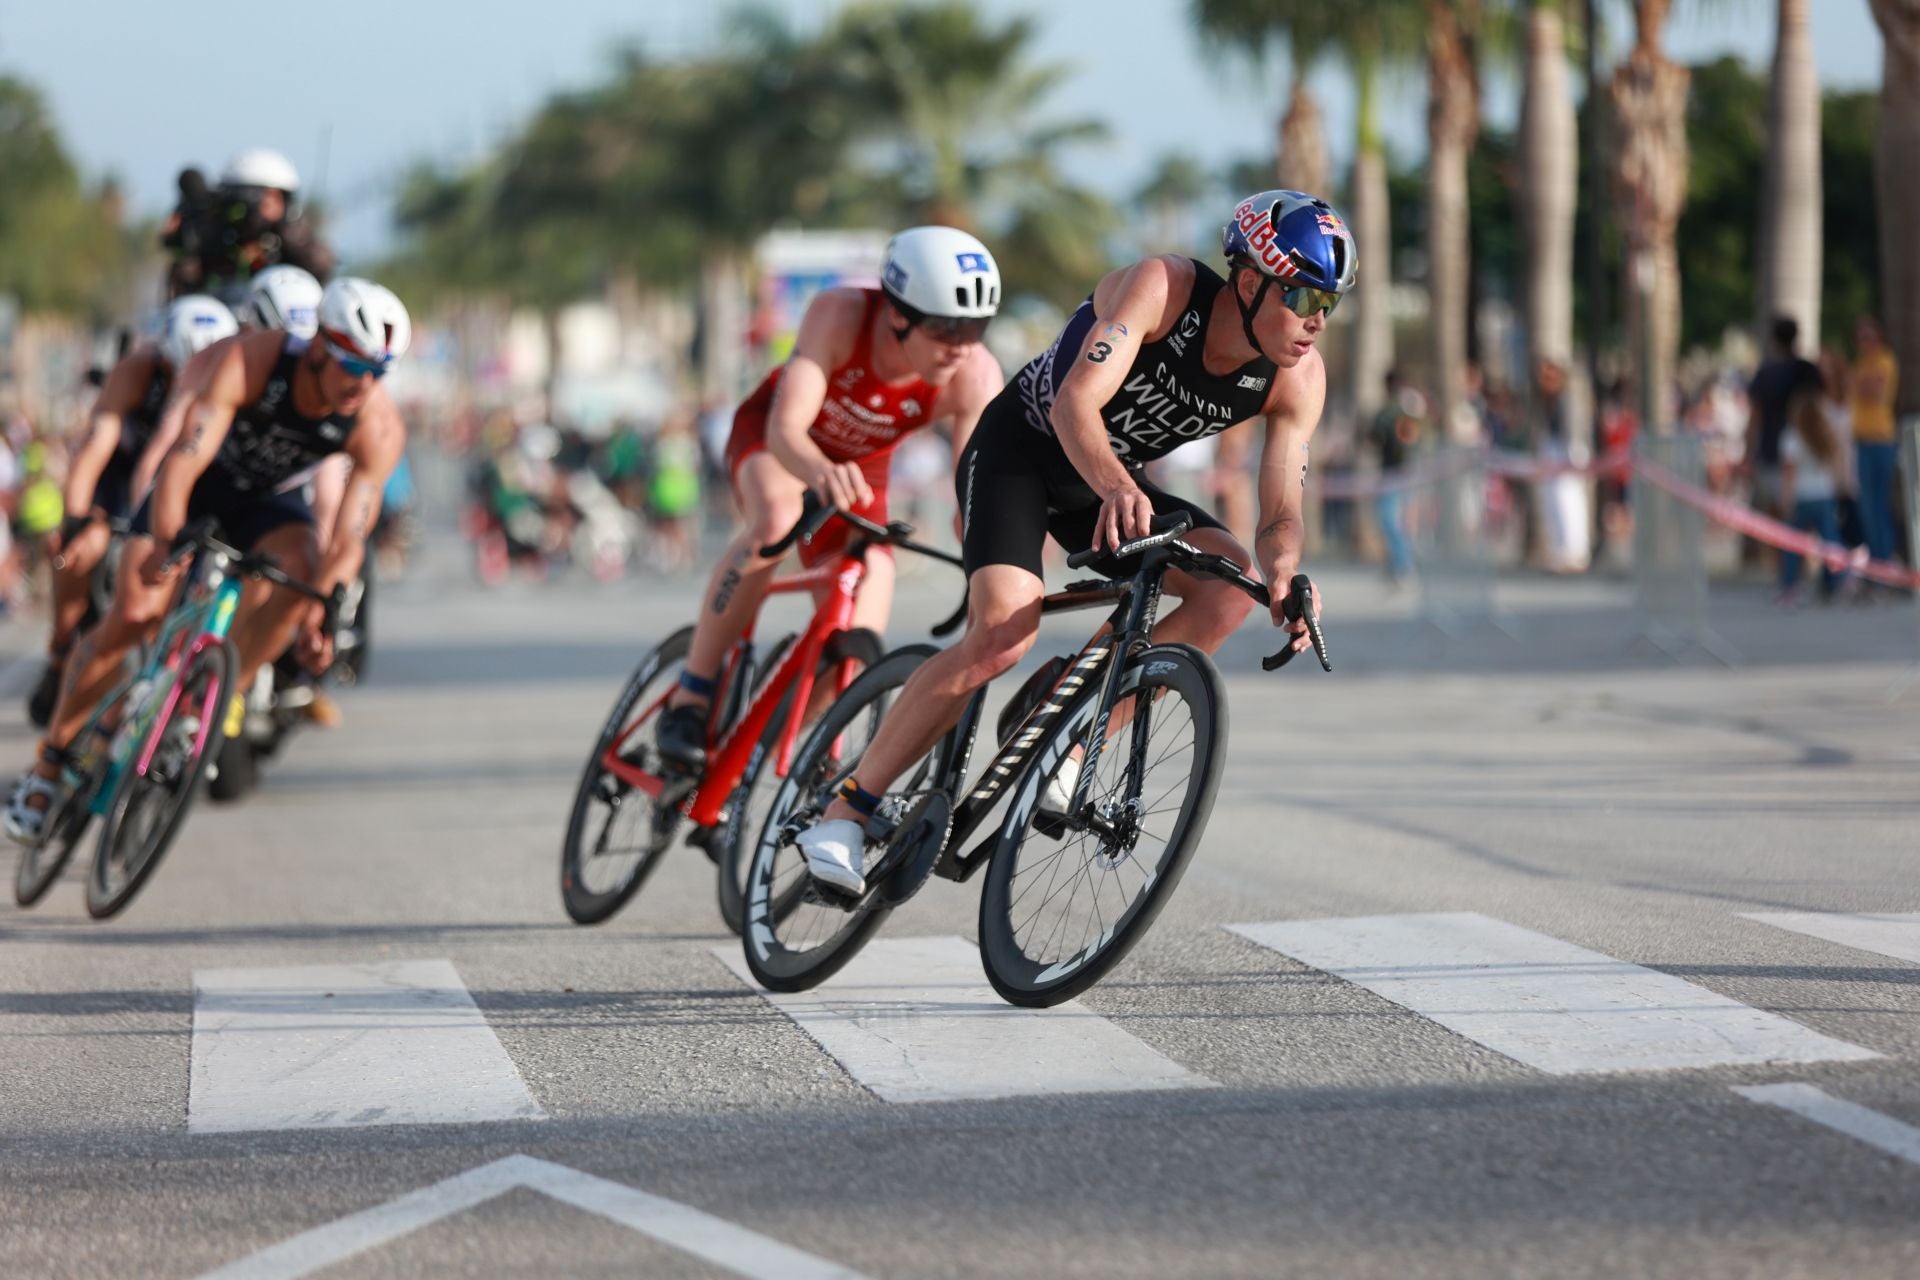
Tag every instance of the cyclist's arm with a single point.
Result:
(234, 376)
(192, 379)
(1130, 308)
(329, 493)
(374, 450)
(1292, 415)
(964, 399)
(119, 394)
(826, 337)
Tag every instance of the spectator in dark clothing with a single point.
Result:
(1783, 373)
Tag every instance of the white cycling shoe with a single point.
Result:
(834, 852)
(25, 824)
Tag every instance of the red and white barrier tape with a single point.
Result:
(1776, 533)
(1735, 515)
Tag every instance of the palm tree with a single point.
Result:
(1549, 169)
(1790, 202)
(957, 103)
(1897, 184)
(1453, 123)
(1308, 29)
(954, 106)
(1649, 98)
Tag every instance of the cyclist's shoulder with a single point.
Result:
(131, 375)
(1299, 392)
(1161, 278)
(976, 382)
(830, 330)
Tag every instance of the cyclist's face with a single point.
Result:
(1285, 337)
(344, 392)
(935, 358)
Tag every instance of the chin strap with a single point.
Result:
(1247, 313)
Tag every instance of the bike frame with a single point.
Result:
(201, 618)
(730, 754)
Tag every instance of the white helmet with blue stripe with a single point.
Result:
(284, 297)
(941, 272)
(194, 323)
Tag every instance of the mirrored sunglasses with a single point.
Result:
(955, 331)
(1306, 303)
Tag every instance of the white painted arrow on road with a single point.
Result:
(743, 1252)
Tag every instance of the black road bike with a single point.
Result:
(1068, 892)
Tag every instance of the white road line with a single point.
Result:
(1850, 1118)
(1894, 934)
(914, 1020)
(335, 1046)
(1552, 1005)
(716, 1240)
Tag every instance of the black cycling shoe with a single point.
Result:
(45, 694)
(681, 736)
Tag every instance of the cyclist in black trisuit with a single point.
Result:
(1164, 351)
(273, 407)
(102, 478)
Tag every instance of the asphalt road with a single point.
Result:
(1590, 826)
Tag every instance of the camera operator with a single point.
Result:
(221, 237)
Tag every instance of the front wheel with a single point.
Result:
(617, 833)
(148, 806)
(1060, 910)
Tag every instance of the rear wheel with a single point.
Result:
(616, 833)
(147, 808)
(753, 798)
(794, 936)
(1062, 906)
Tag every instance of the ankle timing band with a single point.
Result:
(698, 686)
(863, 802)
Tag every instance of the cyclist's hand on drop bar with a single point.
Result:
(313, 646)
(842, 485)
(1290, 622)
(159, 565)
(1125, 514)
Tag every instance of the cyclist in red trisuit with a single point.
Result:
(868, 366)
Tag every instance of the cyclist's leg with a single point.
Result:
(1004, 500)
(270, 615)
(98, 654)
(73, 583)
(770, 502)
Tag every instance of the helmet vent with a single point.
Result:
(960, 294)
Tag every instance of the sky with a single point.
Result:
(356, 91)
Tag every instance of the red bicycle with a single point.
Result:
(630, 805)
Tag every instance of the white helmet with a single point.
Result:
(942, 272)
(364, 322)
(194, 323)
(284, 297)
(261, 167)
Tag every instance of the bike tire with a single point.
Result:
(584, 904)
(1088, 950)
(776, 880)
(104, 898)
(747, 808)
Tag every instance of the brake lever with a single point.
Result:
(1298, 606)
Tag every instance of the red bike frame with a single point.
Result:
(727, 758)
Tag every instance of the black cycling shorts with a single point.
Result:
(113, 491)
(245, 516)
(1016, 486)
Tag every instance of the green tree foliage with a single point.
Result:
(61, 249)
(893, 114)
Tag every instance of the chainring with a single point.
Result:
(915, 847)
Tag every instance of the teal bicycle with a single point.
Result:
(138, 759)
